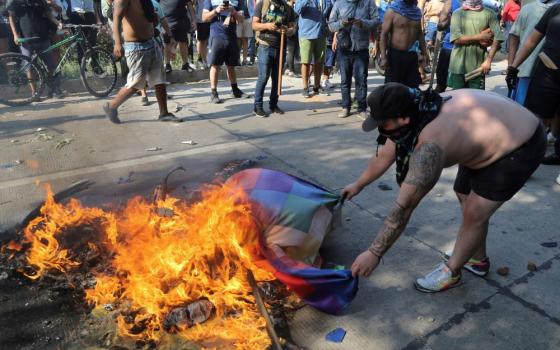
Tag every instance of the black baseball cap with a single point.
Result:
(391, 100)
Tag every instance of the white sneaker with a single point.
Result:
(558, 179)
(327, 84)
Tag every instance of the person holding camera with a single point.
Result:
(223, 17)
(271, 20)
(353, 20)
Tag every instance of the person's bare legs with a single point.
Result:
(214, 71)
(167, 53)
(202, 48)
(471, 239)
(317, 71)
(231, 75)
(184, 52)
(161, 96)
(305, 68)
(245, 48)
(480, 252)
(123, 95)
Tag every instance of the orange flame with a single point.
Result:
(160, 262)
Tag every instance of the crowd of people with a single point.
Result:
(323, 35)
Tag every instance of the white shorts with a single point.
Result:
(144, 64)
(245, 29)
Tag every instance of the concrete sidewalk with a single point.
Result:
(59, 142)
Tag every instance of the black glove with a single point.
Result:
(511, 77)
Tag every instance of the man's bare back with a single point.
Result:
(136, 26)
(404, 32)
(475, 128)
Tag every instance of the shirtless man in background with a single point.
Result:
(143, 54)
(402, 26)
(496, 142)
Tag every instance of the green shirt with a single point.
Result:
(466, 58)
(523, 26)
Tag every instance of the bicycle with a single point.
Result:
(22, 78)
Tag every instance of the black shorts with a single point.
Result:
(543, 96)
(180, 29)
(443, 67)
(223, 51)
(402, 67)
(4, 30)
(502, 179)
(202, 31)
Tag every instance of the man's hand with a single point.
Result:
(511, 77)
(383, 62)
(350, 191)
(219, 9)
(346, 23)
(486, 67)
(270, 27)
(16, 39)
(486, 35)
(358, 23)
(118, 51)
(364, 264)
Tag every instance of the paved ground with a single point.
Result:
(60, 142)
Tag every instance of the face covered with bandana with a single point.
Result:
(400, 114)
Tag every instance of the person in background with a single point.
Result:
(432, 9)
(223, 16)
(292, 48)
(526, 21)
(543, 96)
(509, 15)
(244, 32)
(252, 49)
(312, 31)
(330, 59)
(271, 18)
(202, 35)
(353, 21)
(135, 20)
(444, 25)
(4, 28)
(399, 55)
(176, 14)
(86, 12)
(473, 29)
(31, 19)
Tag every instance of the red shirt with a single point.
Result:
(510, 12)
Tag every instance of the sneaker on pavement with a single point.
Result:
(169, 117)
(111, 113)
(145, 101)
(305, 93)
(344, 113)
(58, 93)
(438, 280)
(216, 99)
(168, 68)
(362, 115)
(277, 110)
(477, 267)
(187, 66)
(552, 159)
(327, 85)
(318, 90)
(237, 93)
(259, 112)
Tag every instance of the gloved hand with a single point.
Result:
(511, 77)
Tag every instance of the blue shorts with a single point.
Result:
(431, 30)
(330, 57)
(223, 51)
(520, 92)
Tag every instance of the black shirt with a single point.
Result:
(278, 12)
(174, 10)
(549, 25)
(32, 18)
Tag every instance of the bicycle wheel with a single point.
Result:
(21, 80)
(99, 72)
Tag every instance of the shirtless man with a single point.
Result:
(496, 142)
(144, 56)
(399, 58)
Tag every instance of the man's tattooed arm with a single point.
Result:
(424, 171)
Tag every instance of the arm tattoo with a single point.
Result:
(395, 223)
(426, 165)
